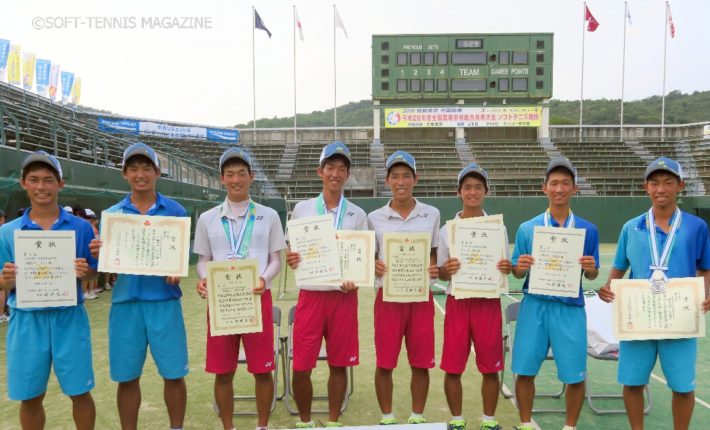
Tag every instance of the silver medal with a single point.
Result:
(658, 282)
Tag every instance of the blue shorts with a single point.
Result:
(543, 324)
(133, 326)
(36, 340)
(678, 356)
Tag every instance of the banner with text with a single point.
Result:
(42, 71)
(495, 116)
(119, 125)
(4, 52)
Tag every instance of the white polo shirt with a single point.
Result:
(354, 219)
(267, 236)
(423, 218)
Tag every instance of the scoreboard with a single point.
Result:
(449, 67)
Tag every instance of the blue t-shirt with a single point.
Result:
(690, 252)
(140, 287)
(523, 246)
(66, 221)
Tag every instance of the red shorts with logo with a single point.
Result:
(325, 314)
(474, 320)
(412, 321)
(223, 351)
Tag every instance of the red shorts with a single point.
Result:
(477, 320)
(223, 351)
(412, 321)
(325, 314)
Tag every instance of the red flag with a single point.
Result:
(592, 22)
(670, 21)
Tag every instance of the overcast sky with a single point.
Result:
(204, 75)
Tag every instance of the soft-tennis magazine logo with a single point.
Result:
(393, 118)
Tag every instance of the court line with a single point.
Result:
(697, 399)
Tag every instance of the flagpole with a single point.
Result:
(335, 83)
(295, 23)
(581, 85)
(663, 99)
(623, 71)
(253, 72)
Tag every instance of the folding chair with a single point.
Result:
(322, 356)
(591, 396)
(243, 359)
(511, 315)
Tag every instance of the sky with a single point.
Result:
(203, 74)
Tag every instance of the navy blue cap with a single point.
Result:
(473, 168)
(401, 157)
(664, 164)
(46, 158)
(233, 153)
(140, 148)
(335, 148)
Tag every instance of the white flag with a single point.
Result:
(298, 24)
(339, 21)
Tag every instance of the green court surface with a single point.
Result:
(363, 409)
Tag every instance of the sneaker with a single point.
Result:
(388, 421)
(416, 420)
(523, 428)
(99, 290)
(308, 425)
(108, 287)
(4, 318)
(490, 425)
(456, 425)
(333, 424)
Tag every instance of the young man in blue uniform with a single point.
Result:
(662, 243)
(39, 338)
(546, 322)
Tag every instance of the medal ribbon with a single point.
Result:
(240, 244)
(661, 262)
(339, 214)
(569, 222)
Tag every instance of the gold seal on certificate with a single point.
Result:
(356, 249)
(407, 260)
(675, 313)
(144, 245)
(314, 239)
(479, 247)
(233, 306)
(556, 271)
(45, 268)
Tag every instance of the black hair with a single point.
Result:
(560, 169)
(341, 157)
(139, 158)
(36, 165)
(474, 175)
(414, 173)
(663, 172)
(232, 162)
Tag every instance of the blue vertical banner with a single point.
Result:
(67, 84)
(42, 76)
(4, 51)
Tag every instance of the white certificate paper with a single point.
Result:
(479, 247)
(674, 314)
(407, 260)
(556, 271)
(233, 306)
(145, 245)
(356, 250)
(45, 268)
(314, 238)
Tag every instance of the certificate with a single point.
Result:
(675, 313)
(479, 247)
(144, 245)
(356, 250)
(556, 271)
(233, 306)
(314, 239)
(46, 276)
(407, 260)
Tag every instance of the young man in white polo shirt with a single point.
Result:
(240, 228)
(412, 321)
(326, 312)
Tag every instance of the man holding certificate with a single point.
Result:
(547, 320)
(476, 319)
(47, 330)
(328, 312)
(146, 310)
(658, 246)
(404, 217)
(240, 229)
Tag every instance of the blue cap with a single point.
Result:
(335, 148)
(233, 153)
(473, 168)
(664, 164)
(561, 162)
(140, 148)
(401, 157)
(46, 158)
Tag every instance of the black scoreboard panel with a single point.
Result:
(462, 66)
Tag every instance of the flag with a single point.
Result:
(28, 70)
(259, 24)
(42, 72)
(67, 84)
(298, 24)
(671, 26)
(76, 91)
(4, 51)
(592, 22)
(628, 15)
(14, 60)
(53, 80)
(339, 21)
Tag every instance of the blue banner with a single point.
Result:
(110, 125)
(4, 51)
(42, 74)
(67, 84)
(222, 135)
